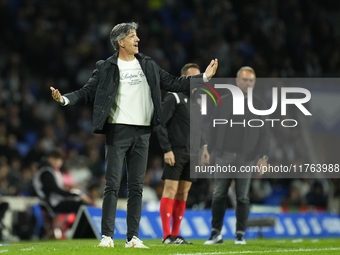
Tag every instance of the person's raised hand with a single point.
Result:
(56, 95)
(211, 69)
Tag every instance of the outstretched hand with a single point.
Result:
(56, 95)
(211, 69)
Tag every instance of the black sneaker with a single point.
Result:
(169, 240)
(181, 240)
(214, 238)
(239, 239)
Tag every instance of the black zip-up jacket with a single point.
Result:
(256, 139)
(103, 85)
(46, 187)
(181, 112)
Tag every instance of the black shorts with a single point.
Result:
(180, 171)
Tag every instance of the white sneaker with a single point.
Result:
(106, 242)
(214, 239)
(240, 241)
(135, 243)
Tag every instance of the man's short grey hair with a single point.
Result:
(120, 31)
(245, 68)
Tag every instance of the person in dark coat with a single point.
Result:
(49, 186)
(237, 146)
(126, 90)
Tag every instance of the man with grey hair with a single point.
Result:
(236, 145)
(126, 89)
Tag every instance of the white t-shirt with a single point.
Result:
(133, 104)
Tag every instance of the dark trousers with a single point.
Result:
(130, 143)
(221, 191)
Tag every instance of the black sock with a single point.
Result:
(128, 239)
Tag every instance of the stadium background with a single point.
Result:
(56, 43)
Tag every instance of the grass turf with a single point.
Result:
(261, 246)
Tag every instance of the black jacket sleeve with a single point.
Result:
(50, 185)
(88, 91)
(168, 108)
(172, 83)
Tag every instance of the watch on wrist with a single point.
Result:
(265, 157)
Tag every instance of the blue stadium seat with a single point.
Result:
(31, 138)
(276, 196)
(23, 148)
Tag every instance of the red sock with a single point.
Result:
(166, 213)
(177, 216)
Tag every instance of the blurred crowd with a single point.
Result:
(57, 43)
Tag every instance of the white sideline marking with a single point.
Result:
(297, 240)
(1, 251)
(27, 249)
(267, 251)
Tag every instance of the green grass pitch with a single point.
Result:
(259, 246)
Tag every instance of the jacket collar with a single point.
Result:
(114, 57)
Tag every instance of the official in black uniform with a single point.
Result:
(175, 141)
